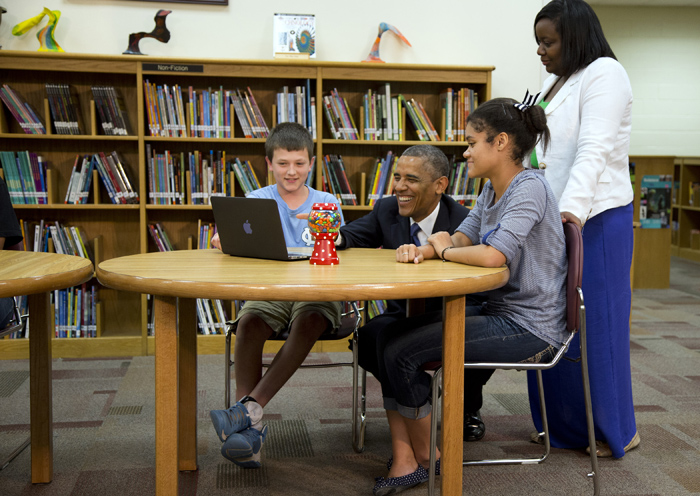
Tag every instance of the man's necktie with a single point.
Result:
(415, 229)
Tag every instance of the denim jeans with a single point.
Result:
(406, 388)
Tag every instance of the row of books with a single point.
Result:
(336, 180)
(80, 181)
(297, 105)
(205, 115)
(64, 109)
(419, 118)
(209, 176)
(75, 312)
(111, 111)
(457, 105)
(463, 189)
(249, 115)
(25, 115)
(115, 178)
(382, 178)
(382, 115)
(25, 175)
(211, 315)
(66, 240)
(339, 117)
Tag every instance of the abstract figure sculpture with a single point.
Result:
(160, 33)
(324, 222)
(47, 43)
(374, 52)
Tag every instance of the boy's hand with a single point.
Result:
(408, 254)
(303, 216)
(215, 241)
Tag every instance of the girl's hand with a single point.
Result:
(569, 217)
(215, 242)
(440, 241)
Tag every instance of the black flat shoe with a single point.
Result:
(393, 485)
(474, 428)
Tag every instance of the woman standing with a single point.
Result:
(588, 104)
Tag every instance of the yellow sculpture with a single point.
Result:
(45, 36)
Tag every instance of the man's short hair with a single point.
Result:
(289, 136)
(434, 160)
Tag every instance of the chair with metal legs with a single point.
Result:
(349, 325)
(17, 324)
(576, 322)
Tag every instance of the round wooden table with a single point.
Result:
(363, 274)
(36, 275)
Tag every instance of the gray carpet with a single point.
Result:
(104, 424)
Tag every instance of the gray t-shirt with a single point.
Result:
(525, 225)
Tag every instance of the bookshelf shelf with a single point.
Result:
(124, 228)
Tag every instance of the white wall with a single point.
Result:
(660, 49)
(450, 32)
(659, 46)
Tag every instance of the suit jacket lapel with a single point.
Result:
(442, 223)
(563, 93)
(401, 231)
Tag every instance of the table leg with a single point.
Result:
(187, 365)
(40, 394)
(165, 309)
(452, 394)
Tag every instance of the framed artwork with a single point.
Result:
(203, 2)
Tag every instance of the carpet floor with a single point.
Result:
(104, 414)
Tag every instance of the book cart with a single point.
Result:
(123, 229)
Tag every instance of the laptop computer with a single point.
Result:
(251, 227)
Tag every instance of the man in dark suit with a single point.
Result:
(420, 179)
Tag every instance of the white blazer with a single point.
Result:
(590, 121)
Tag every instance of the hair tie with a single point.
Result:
(528, 101)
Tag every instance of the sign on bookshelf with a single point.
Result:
(655, 201)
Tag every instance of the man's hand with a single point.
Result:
(215, 241)
(409, 253)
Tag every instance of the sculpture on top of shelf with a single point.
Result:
(47, 43)
(374, 52)
(160, 33)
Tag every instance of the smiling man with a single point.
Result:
(418, 209)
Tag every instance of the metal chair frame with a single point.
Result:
(576, 322)
(350, 324)
(17, 323)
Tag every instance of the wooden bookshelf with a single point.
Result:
(686, 215)
(124, 227)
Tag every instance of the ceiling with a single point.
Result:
(648, 3)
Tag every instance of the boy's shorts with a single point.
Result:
(280, 314)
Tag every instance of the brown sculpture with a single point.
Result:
(160, 33)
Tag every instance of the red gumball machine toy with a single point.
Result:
(324, 222)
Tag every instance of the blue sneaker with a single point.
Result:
(243, 448)
(230, 421)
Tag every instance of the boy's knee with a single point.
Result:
(251, 325)
(310, 324)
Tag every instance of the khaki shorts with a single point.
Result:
(280, 314)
